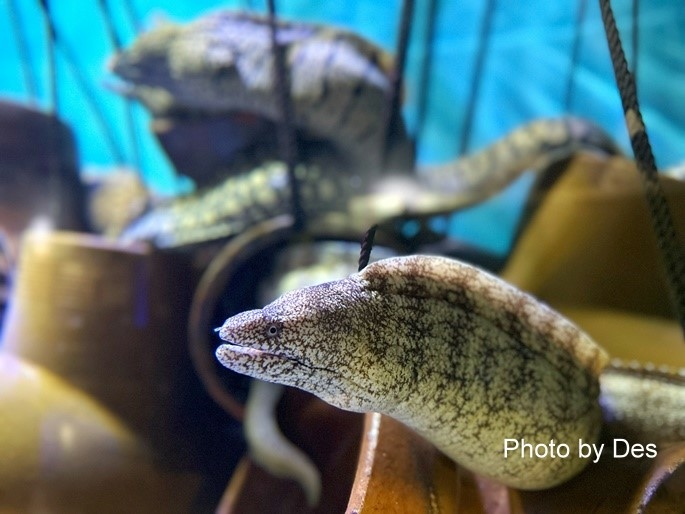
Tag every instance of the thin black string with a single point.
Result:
(660, 213)
(286, 132)
(131, 129)
(392, 107)
(366, 247)
(51, 61)
(30, 80)
(52, 143)
(635, 33)
(425, 71)
(109, 25)
(575, 54)
(56, 41)
(132, 15)
(476, 79)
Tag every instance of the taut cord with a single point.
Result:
(662, 220)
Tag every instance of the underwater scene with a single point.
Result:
(348, 257)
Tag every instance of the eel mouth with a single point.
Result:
(242, 358)
(236, 349)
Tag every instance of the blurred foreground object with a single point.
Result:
(110, 321)
(61, 450)
(38, 171)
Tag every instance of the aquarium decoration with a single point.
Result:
(430, 368)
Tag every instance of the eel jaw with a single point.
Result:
(253, 362)
(231, 348)
(260, 363)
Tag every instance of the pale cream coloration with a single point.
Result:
(644, 403)
(455, 353)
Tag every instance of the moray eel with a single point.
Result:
(453, 352)
(243, 200)
(339, 82)
(491, 363)
(223, 62)
(296, 266)
(643, 403)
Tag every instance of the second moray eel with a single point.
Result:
(222, 62)
(339, 82)
(246, 199)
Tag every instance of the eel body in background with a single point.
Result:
(339, 83)
(244, 200)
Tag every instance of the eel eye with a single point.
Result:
(273, 330)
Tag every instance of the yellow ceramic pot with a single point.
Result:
(60, 450)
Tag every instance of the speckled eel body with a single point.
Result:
(453, 352)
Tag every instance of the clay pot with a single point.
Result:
(110, 322)
(62, 451)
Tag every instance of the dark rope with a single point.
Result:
(575, 54)
(131, 130)
(52, 141)
(88, 92)
(392, 105)
(133, 17)
(286, 133)
(662, 221)
(426, 69)
(481, 54)
(366, 247)
(635, 33)
(90, 97)
(109, 25)
(51, 63)
(30, 80)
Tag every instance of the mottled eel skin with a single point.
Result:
(240, 202)
(453, 352)
(243, 200)
(223, 62)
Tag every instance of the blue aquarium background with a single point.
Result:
(524, 76)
